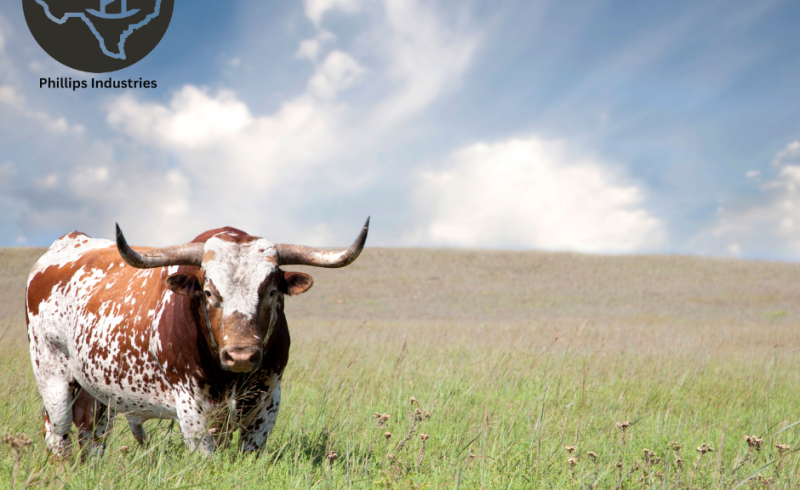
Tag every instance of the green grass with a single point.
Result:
(514, 355)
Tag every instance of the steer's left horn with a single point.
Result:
(300, 255)
(189, 254)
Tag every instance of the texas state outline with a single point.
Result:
(127, 32)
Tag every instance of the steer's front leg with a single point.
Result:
(194, 425)
(257, 424)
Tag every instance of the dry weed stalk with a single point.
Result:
(782, 449)
(676, 446)
(753, 445)
(18, 445)
(424, 438)
(650, 457)
(381, 419)
(702, 449)
(623, 426)
(572, 463)
(331, 456)
(650, 460)
(754, 442)
(417, 416)
(593, 456)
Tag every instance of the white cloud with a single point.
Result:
(425, 57)
(219, 140)
(310, 48)
(424, 52)
(316, 9)
(788, 155)
(768, 224)
(193, 119)
(12, 98)
(8, 171)
(238, 168)
(338, 72)
(533, 193)
(49, 181)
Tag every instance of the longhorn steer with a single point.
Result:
(184, 332)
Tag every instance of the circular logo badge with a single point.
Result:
(98, 36)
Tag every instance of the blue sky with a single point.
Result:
(603, 127)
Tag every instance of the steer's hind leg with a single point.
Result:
(57, 418)
(137, 430)
(258, 423)
(52, 378)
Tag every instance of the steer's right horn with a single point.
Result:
(189, 254)
(300, 255)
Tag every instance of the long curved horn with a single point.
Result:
(189, 254)
(300, 255)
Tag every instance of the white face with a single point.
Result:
(237, 270)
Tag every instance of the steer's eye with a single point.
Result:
(208, 293)
(272, 293)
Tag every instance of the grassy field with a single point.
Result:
(513, 358)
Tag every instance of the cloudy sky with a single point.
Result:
(592, 126)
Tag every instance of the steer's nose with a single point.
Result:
(241, 359)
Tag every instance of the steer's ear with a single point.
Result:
(185, 284)
(295, 283)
